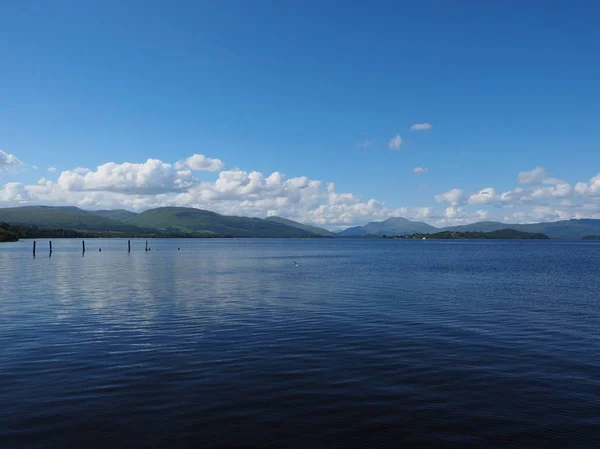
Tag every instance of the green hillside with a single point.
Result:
(117, 214)
(64, 218)
(194, 220)
(294, 224)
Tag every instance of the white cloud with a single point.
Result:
(512, 196)
(51, 169)
(199, 162)
(395, 142)
(453, 212)
(365, 144)
(151, 177)
(535, 176)
(453, 197)
(9, 162)
(420, 170)
(14, 192)
(423, 212)
(154, 183)
(482, 214)
(421, 127)
(484, 196)
(35, 167)
(563, 190)
(553, 181)
(590, 189)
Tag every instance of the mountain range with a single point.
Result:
(564, 229)
(174, 220)
(184, 220)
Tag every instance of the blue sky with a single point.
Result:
(293, 88)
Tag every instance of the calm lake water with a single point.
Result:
(368, 343)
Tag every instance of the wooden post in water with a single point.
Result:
(83, 246)
(146, 245)
(34, 248)
(50, 242)
(128, 246)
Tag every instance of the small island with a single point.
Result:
(592, 237)
(454, 235)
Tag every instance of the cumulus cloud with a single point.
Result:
(395, 142)
(484, 196)
(155, 183)
(51, 169)
(365, 144)
(535, 176)
(513, 196)
(152, 176)
(553, 181)
(14, 192)
(9, 162)
(590, 189)
(563, 190)
(423, 212)
(199, 162)
(452, 197)
(421, 127)
(420, 170)
(453, 212)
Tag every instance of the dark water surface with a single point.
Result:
(368, 343)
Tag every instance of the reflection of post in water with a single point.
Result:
(34, 248)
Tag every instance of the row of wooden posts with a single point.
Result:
(83, 246)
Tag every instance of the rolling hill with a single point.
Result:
(117, 214)
(193, 220)
(64, 218)
(304, 227)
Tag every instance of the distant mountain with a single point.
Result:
(564, 229)
(64, 218)
(391, 226)
(191, 222)
(304, 227)
(356, 231)
(183, 219)
(482, 226)
(117, 214)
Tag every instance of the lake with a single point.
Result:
(367, 343)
